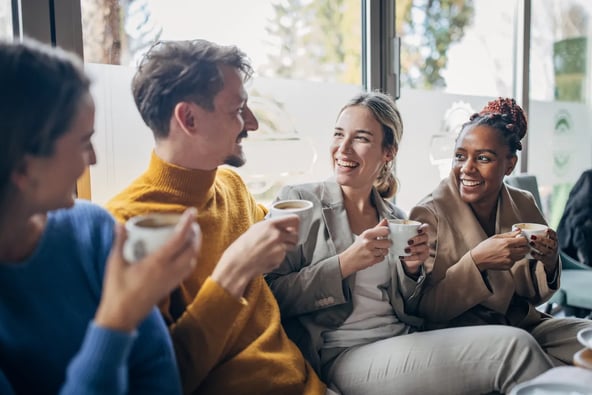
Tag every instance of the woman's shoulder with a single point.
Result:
(85, 222)
(427, 202)
(82, 209)
(520, 197)
(83, 212)
(309, 190)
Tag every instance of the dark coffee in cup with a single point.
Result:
(291, 205)
(158, 222)
(147, 233)
(302, 208)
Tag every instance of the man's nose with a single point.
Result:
(250, 120)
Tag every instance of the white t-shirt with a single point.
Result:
(372, 317)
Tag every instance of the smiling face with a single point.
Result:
(356, 150)
(223, 128)
(481, 160)
(49, 182)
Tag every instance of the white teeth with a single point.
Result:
(345, 163)
(471, 183)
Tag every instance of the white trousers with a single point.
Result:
(467, 360)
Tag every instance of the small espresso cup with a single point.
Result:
(530, 229)
(583, 358)
(302, 208)
(401, 230)
(147, 233)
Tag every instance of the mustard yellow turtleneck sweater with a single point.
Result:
(223, 345)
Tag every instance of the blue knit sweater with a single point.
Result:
(48, 343)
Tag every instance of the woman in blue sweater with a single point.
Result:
(75, 317)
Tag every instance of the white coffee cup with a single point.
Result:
(302, 208)
(401, 230)
(147, 233)
(529, 229)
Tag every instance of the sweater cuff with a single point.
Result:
(220, 314)
(101, 364)
(109, 347)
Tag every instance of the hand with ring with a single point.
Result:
(546, 250)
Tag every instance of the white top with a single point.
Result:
(372, 317)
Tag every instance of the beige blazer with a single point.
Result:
(308, 286)
(456, 292)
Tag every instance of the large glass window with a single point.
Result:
(461, 47)
(455, 56)
(303, 52)
(5, 19)
(560, 122)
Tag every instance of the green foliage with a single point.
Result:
(321, 39)
(569, 61)
(315, 40)
(433, 26)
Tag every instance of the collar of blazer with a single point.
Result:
(335, 216)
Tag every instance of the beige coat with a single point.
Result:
(456, 292)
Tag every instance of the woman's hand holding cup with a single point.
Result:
(369, 248)
(543, 244)
(416, 251)
(130, 291)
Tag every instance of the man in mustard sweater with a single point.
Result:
(224, 320)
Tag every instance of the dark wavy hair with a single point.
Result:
(175, 71)
(42, 88)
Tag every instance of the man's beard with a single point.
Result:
(235, 160)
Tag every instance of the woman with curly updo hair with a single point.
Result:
(479, 272)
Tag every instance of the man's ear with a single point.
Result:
(185, 117)
(512, 165)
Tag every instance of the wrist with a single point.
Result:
(231, 277)
(114, 319)
(345, 271)
(477, 264)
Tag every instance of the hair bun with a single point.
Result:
(508, 107)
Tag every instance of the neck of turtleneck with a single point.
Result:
(190, 187)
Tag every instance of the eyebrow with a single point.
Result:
(358, 131)
(479, 151)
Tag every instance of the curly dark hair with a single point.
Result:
(175, 71)
(506, 116)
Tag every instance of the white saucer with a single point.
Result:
(585, 337)
(550, 389)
